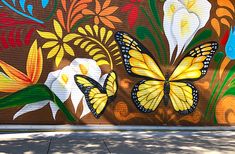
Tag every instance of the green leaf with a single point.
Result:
(218, 57)
(229, 75)
(198, 38)
(232, 82)
(53, 11)
(153, 8)
(158, 35)
(32, 94)
(230, 91)
(210, 101)
(143, 33)
(215, 120)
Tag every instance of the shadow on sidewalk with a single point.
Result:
(121, 142)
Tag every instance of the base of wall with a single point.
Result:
(112, 128)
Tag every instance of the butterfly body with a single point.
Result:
(96, 95)
(166, 91)
(176, 87)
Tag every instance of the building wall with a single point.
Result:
(133, 62)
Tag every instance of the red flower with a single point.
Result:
(133, 11)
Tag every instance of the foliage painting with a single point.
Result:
(109, 61)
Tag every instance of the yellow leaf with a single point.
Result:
(58, 29)
(59, 56)
(94, 51)
(50, 44)
(102, 62)
(68, 49)
(70, 37)
(88, 28)
(102, 33)
(96, 29)
(47, 35)
(113, 43)
(84, 44)
(77, 41)
(53, 52)
(109, 34)
(82, 31)
(98, 56)
(89, 47)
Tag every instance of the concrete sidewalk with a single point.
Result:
(119, 142)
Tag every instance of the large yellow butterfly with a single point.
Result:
(98, 97)
(148, 93)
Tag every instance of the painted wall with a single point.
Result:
(133, 62)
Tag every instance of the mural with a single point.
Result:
(133, 62)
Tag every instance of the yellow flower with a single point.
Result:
(57, 43)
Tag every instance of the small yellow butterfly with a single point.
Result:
(148, 93)
(97, 97)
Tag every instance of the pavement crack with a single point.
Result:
(106, 146)
(49, 146)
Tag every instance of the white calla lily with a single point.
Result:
(186, 24)
(200, 7)
(62, 83)
(182, 20)
(170, 7)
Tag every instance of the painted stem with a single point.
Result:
(53, 11)
(80, 22)
(210, 101)
(226, 80)
(216, 99)
(157, 33)
(153, 5)
(142, 33)
(214, 75)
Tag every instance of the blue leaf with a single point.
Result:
(45, 3)
(21, 13)
(14, 2)
(30, 9)
(22, 5)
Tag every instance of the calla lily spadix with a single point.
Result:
(182, 20)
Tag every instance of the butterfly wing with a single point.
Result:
(137, 59)
(111, 85)
(184, 97)
(147, 94)
(95, 96)
(195, 64)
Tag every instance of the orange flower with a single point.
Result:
(13, 79)
(103, 14)
(224, 15)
